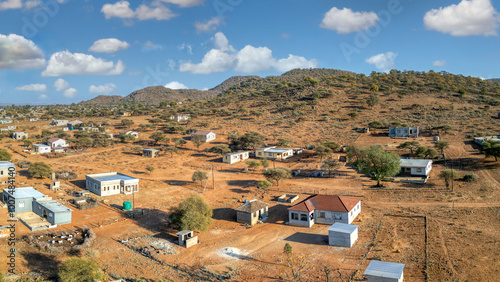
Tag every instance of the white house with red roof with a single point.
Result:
(324, 209)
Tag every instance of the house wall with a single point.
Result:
(4, 172)
(210, 137)
(231, 159)
(340, 239)
(354, 213)
(243, 217)
(371, 278)
(24, 204)
(54, 218)
(300, 222)
(330, 217)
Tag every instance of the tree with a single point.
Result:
(372, 100)
(80, 270)
(264, 185)
(249, 140)
(374, 87)
(85, 142)
(126, 122)
(380, 164)
(285, 142)
(220, 149)
(171, 150)
(150, 168)
(353, 115)
(410, 145)
(334, 146)
(264, 163)
(197, 141)
(193, 213)
(375, 124)
(137, 149)
(158, 137)
(4, 155)
(27, 142)
(180, 142)
(277, 174)
(253, 164)
(426, 152)
(448, 175)
(330, 165)
(287, 250)
(199, 176)
(491, 149)
(322, 151)
(441, 145)
(127, 137)
(39, 169)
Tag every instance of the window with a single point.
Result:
(21, 204)
(51, 214)
(295, 216)
(303, 217)
(39, 208)
(1, 172)
(321, 214)
(419, 169)
(338, 216)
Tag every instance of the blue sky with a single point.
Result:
(65, 51)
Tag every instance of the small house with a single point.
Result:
(33, 119)
(89, 129)
(324, 209)
(59, 122)
(5, 120)
(273, 153)
(232, 158)
(41, 148)
(298, 151)
(384, 271)
(11, 127)
(481, 140)
(179, 117)
(150, 153)
(251, 212)
(205, 136)
(187, 238)
(129, 132)
(73, 124)
(111, 183)
(5, 168)
(403, 132)
(415, 167)
(19, 135)
(342, 235)
(56, 142)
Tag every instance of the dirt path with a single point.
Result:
(438, 204)
(445, 249)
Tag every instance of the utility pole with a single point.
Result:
(133, 202)
(452, 177)
(213, 177)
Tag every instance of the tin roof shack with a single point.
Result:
(403, 132)
(150, 153)
(205, 136)
(273, 153)
(342, 235)
(21, 199)
(111, 183)
(41, 148)
(19, 135)
(481, 140)
(59, 122)
(54, 212)
(324, 209)
(56, 142)
(252, 212)
(232, 158)
(5, 168)
(382, 271)
(415, 167)
(73, 124)
(187, 238)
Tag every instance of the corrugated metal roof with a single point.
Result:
(6, 164)
(201, 132)
(414, 162)
(26, 192)
(385, 269)
(236, 153)
(277, 150)
(343, 228)
(117, 176)
(151, 150)
(54, 206)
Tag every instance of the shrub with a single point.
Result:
(470, 177)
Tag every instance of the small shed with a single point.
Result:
(187, 238)
(342, 235)
(252, 212)
(232, 158)
(41, 148)
(150, 153)
(382, 271)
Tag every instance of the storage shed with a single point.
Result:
(382, 271)
(251, 212)
(150, 153)
(342, 235)
(187, 238)
(5, 168)
(232, 158)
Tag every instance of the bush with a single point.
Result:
(471, 177)
(193, 213)
(78, 269)
(39, 169)
(264, 184)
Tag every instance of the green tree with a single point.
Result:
(277, 174)
(264, 163)
(374, 87)
(199, 176)
(372, 100)
(330, 165)
(334, 146)
(85, 142)
(322, 151)
(287, 250)
(80, 270)
(249, 140)
(180, 142)
(39, 169)
(127, 122)
(27, 142)
(379, 163)
(448, 175)
(137, 149)
(410, 145)
(193, 213)
(127, 138)
(252, 164)
(197, 141)
(4, 155)
(158, 137)
(220, 149)
(354, 115)
(441, 145)
(491, 149)
(264, 185)
(284, 142)
(171, 150)
(150, 168)
(375, 124)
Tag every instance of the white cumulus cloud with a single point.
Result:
(185, 3)
(108, 45)
(17, 52)
(175, 85)
(122, 10)
(384, 61)
(213, 61)
(469, 17)
(294, 62)
(107, 88)
(61, 84)
(346, 20)
(221, 42)
(65, 63)
(208, 26)
(43, 97)
(70, 93)
(439, 63)
(33, 87)
(11, 4)
(254, 59)
(160, 12)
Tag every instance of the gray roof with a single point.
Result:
(414, 163)
(40, 145)
(252, 206)
(277, 150)
(343, 228)
(54, 206)
(25, 192)
(385, 269)
(152, 150)
(117, 176)
(183, 232)
(6, 164)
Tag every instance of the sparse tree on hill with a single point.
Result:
(252, 164)
(441, 145)
(4, 155)
(180, 142)
(220, 149)
(27, 142)
(264, 163)
(193, 213)
(334, 146)
(127, 122)
(199, 176)
(137, 149)
(378, 163)
(150, 169)
(171, 150)
(127, 138)
(330, 165)
(39, 169)
(322, 151)
(426, 152)
(372, 100)
(491, 149)
(249, 140)
(448, 175)
(80, 269)
(410, 145)
(264, 185)
(284, 142)
(197, 141)
(158, 137)
(277, 174)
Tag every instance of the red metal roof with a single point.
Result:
(326, 203)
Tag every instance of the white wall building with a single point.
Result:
(232, 158)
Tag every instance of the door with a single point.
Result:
(44, 214)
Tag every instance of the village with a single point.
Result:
(330, 213)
